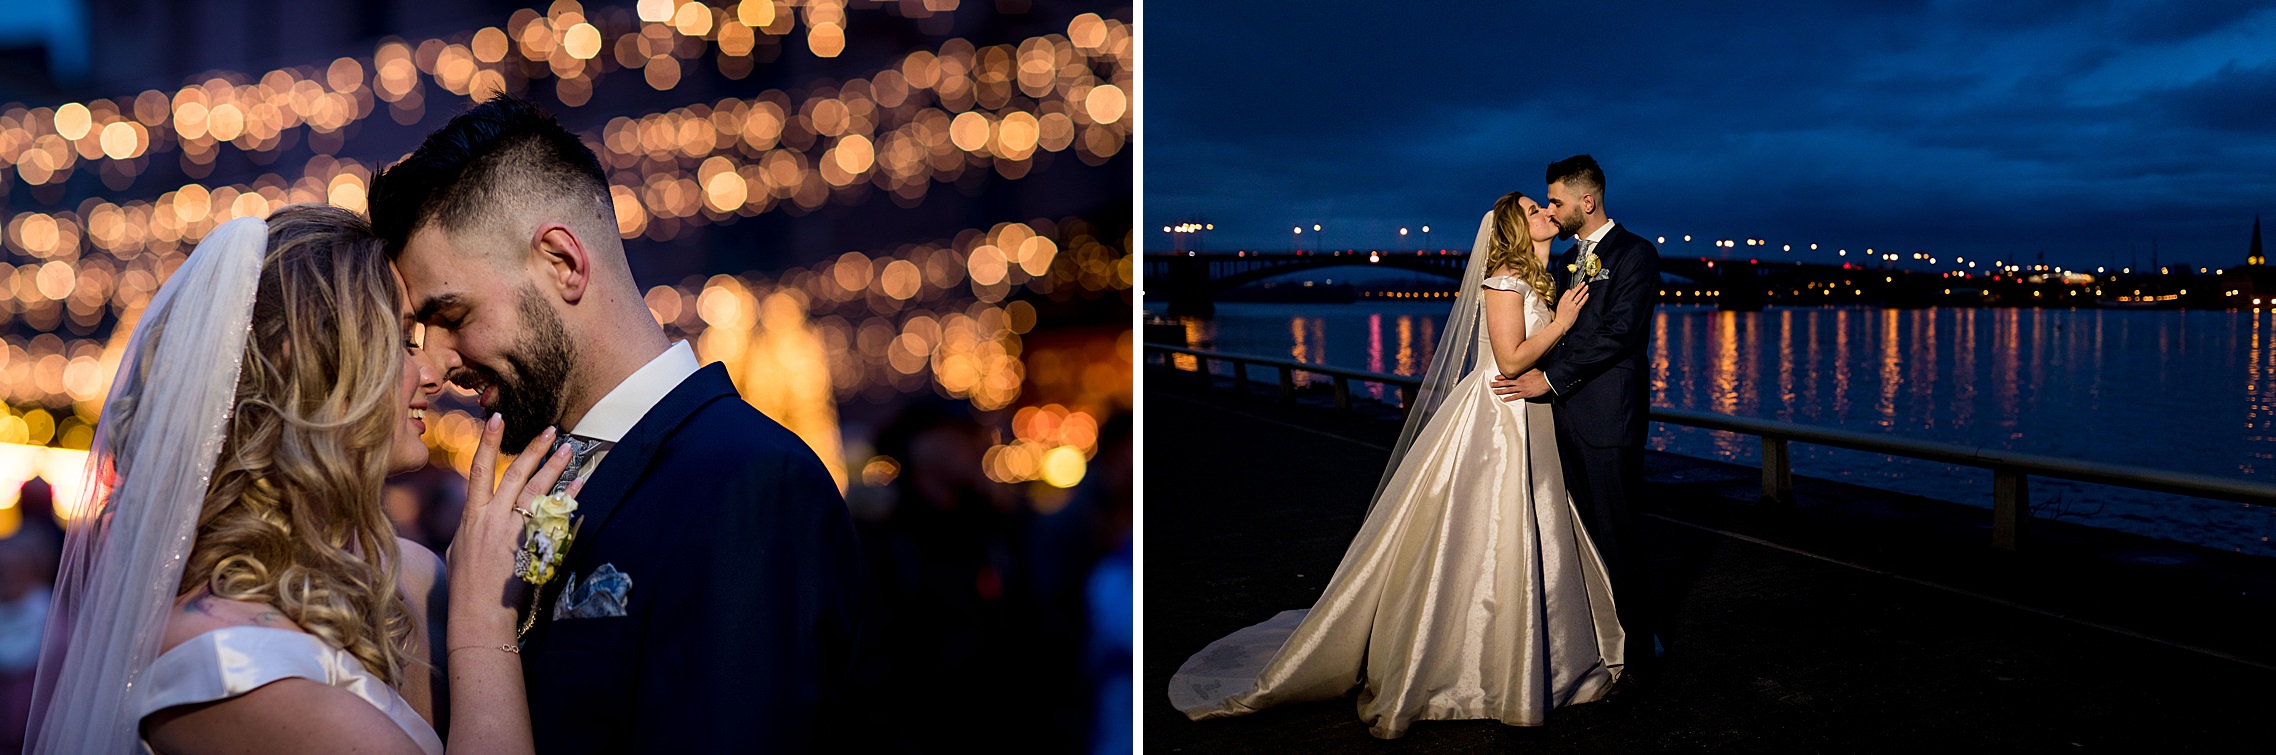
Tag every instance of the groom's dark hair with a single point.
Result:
(1581, 172)
(500, 152)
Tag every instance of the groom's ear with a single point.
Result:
(567, 266)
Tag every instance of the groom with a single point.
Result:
(707, 602)
(1600, 386)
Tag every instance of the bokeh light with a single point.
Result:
(949, 315)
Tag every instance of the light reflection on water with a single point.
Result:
(2187, 391)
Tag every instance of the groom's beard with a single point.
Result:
(530, 399)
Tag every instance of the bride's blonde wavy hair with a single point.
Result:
(293, 517)
(1511, 247)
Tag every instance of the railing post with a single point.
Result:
(1240, 377)
(1777, 472)
(1287, 385)
(1343, 393)
(2011, 506)
(1201, 368)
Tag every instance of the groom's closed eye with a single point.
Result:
(432, 311)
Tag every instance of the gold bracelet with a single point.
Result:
(508, 647)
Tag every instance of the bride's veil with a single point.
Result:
(154, 453)
(1456, 355)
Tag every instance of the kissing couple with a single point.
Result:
(1481, 584)
(658, 568)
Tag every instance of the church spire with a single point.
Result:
(2254, 257)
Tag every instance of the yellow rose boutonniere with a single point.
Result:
(545, 537)
(1589, 269)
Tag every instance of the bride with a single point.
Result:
(233, 584)
(1472, 590)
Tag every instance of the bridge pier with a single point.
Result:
(1190, 292)
(1741, 287)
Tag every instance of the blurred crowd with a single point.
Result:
(984, 609)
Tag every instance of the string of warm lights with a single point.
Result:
(260, 115)
(745, 155)
(756, 153)
(750, 154)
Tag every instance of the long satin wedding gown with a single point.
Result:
(1471, 592)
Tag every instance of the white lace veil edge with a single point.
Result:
(1456, 355)
(154, 454)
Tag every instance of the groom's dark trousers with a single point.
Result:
(739, 628)
(1602, 392)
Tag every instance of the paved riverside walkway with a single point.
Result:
(1860, 621)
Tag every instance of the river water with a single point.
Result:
(2191, 391)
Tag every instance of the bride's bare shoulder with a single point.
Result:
(200, 612)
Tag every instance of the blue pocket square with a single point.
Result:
(601, 595)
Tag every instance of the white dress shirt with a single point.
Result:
(623, 406)
(1597, 238)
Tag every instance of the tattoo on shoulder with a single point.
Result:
(202, 604)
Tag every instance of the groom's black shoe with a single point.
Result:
(1628, 686)
(1640, 676)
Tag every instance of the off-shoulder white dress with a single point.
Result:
(232, 661)
(1471, 591)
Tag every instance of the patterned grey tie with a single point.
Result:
(581, 453)
(1572, 273)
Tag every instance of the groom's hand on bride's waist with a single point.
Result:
(1525, 387)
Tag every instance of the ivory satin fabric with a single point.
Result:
(232, 661)
(1471, 591)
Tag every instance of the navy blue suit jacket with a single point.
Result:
(740, 624)
(1599, 371)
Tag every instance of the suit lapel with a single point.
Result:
(604, 493)
(1592, 312)
(1613, 239)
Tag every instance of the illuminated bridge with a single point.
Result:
(1192, 281)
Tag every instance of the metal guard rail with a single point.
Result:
(2011, 471)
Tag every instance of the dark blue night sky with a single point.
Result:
(2088, 130)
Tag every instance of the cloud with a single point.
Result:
(1967, 127)
(2236, 100)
